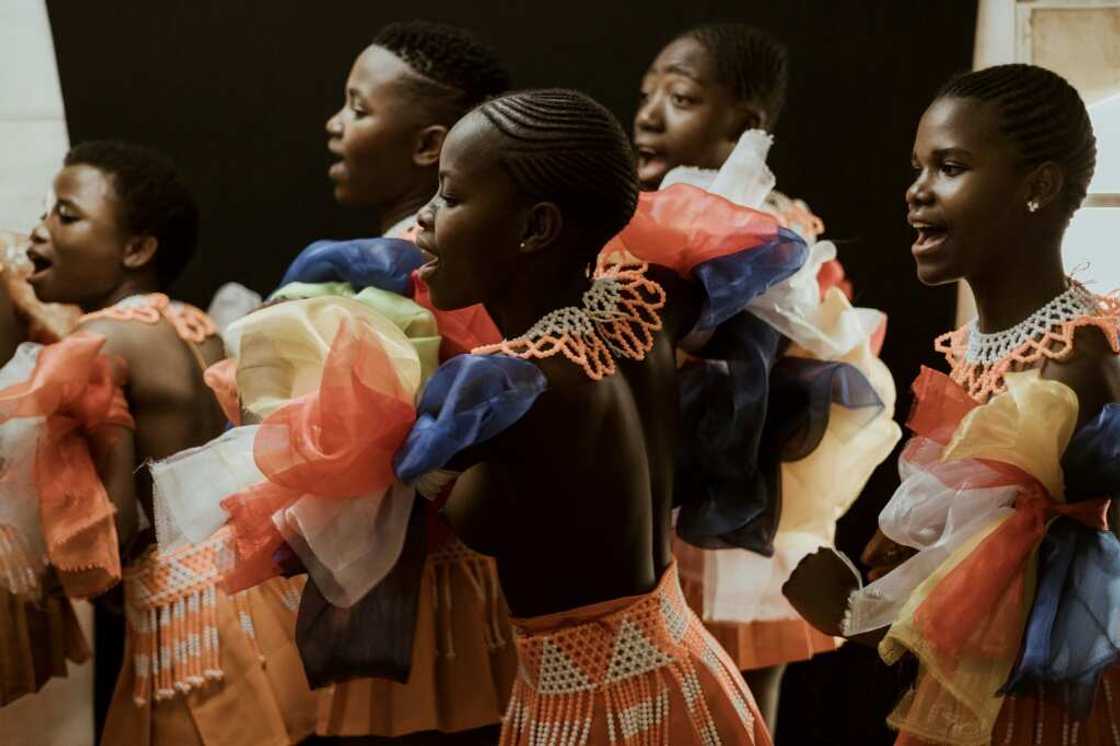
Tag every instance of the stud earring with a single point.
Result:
(1032, 205)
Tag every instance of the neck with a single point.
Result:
(533, 294)
(408, 204)
(1001, 304)
(129, 287)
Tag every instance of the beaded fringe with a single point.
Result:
(173, 617)
(637, 711)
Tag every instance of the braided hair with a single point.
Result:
(1042, 114)
(564, 147)
(753, 64)
(153, 200)
(455, 71)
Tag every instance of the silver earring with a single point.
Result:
(522, 244)
(1032, 205)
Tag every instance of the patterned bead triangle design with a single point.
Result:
(558, 675)
(633, 654)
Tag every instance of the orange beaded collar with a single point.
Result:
(617, 319)
(978, 362)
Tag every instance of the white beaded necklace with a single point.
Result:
(987, 349)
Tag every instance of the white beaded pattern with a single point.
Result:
(987, 349)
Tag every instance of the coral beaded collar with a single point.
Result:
(978, 361)
(618, 317)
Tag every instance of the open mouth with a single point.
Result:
(930, 236)
(39, 264)
(647, 157)
(431, 262)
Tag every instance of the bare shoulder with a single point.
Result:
(143, 346)
(1093, 372)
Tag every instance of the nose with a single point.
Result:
(426, 218)
(39, 233)
(334, 124)
(919, 192)
(649, 118)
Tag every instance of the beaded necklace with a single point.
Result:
(978, 361)
(617, 318)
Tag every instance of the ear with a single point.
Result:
(429, 142)
(1045, 183)
(746, 116)
(543, 225)
(139, 251)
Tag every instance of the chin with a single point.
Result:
(932, 275)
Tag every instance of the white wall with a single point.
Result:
(33, 141)
(33, 136)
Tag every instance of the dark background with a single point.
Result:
(238, 93)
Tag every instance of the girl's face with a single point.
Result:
(968, 199)
(473, 227)
(686, 117)
(373, 135)
(78, 248)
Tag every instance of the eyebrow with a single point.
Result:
(678, 69)
(944, 152)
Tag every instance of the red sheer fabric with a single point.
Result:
(78, 390)
(461, 330)
(682, 226)
(221, 377)
(322, 444)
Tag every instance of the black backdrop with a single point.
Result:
(238, 92)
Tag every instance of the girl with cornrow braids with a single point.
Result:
(996, 567)
(709, 101)
(426, 655)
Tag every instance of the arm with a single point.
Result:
(10, 333)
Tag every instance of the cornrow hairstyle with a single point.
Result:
(753, 64)
(455, 71)
(152, 200)
(564, 147)
(1042, 114)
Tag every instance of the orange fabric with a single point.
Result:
(461, 330)
(939, 406)
(261, 699)
(680, 232)
(751, 645)
(634, 670)
(77, 389)
(36, 641)
(463, 660)
(321, 444)
(1045, 720)
(221, 377)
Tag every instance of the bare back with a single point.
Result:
(172, 407)
(574, 501)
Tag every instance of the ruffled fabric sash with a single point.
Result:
(77, 390)
(982, 487)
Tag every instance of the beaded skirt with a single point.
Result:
(636, 670)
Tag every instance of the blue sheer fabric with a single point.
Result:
(733, 280)
(744, 410)
(383, 263)
(470, 399)
(1073, 631)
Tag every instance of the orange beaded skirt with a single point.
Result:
(636, 670)
(463, 659)
(202, 667)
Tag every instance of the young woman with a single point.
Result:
(1009, 595)
(709, 101)
(126, 387)
(448, 666)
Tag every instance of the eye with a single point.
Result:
(682, 100)
(952, 169)
(65, 215)
(447, 199)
